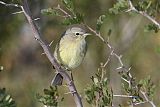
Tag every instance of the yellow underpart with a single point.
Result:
(72, 52)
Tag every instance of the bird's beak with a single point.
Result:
(86, 34)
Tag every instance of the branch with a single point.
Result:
(147, 100)
(37, 35)
(122, 66)
(9, 5)
(132, 8)
(48, 53)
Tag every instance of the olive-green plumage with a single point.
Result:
(70, 50)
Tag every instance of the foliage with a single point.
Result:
(119, 6)
(74, 20)
(69, 5)
(135, 89)
(152, 8)
(147, 86)
(68, 19)
(98, 93)
(6, 99)
(100, 22)
(50, 11)
(151, 27)
(131, 88)
(50, 97)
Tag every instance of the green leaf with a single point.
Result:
(6, 99)
(73, 20)
(69, 5)
(99, 90)
(151, 27)
(17, 1)
(120, 6)
(109, 32)
(143, 5)
(50, 97)
(100, 21)
(147, 86)
(96, 81)
(50, 11)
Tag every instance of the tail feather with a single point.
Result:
(57, 80)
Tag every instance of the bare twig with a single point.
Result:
(36, 19)
(50, 43)
(9, 5)
(132, 8)
(140, 103)
(147, 99)
(17, 12)
(63, 11)
(125, 96)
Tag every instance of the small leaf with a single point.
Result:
(96, 81)
(74, 20)
(100, 21)
(151, 27)
(50, 11)
(50, 97)
(69, 5)
(6, 99)
(109, 32)
(120, 6)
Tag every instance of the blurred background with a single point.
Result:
(27, 72)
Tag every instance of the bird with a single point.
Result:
(70, 50)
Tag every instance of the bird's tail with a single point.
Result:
(57, 80)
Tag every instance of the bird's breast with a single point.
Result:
(72, 53)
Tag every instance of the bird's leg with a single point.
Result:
(71, 75)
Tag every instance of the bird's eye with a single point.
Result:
(77, 34)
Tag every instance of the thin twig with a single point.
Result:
(140, 103)
(63, 11)
(132, 8)
(126, 96)
(17, 12)
(147, 99)
(108, 59)
(9, 5)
